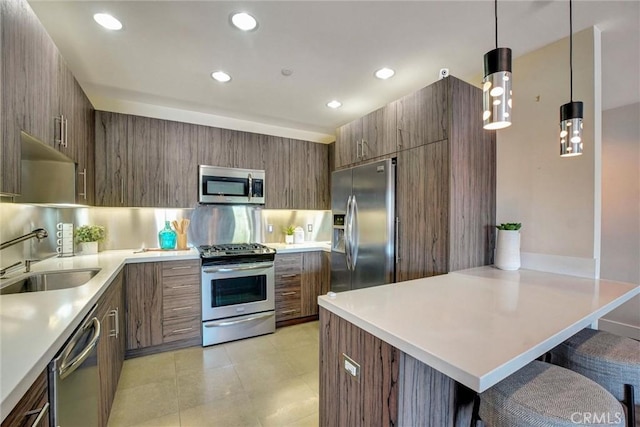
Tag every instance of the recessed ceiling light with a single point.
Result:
(384, 73)
(107, 21)
(244, 21)
(221, 76)
(334, 104)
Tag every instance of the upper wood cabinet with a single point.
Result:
(368, 137)
(111, 161)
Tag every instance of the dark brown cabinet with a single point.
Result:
(445, 193)
(33, 408)
(111, 347)
(162, 306)
(111, 130)
(368, 137)
(423, 116)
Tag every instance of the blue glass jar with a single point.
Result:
(167, 237)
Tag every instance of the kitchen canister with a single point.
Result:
(64, 239)
(298, 235)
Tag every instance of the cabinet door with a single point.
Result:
(422, 117)
(181, 164)
(422, 202)
(379, 133)
(32, 406)
(347, 146)
(315, 176)
(312, 282)
(143, 305)
(84, 133)
(65, 137)
(278, 185)
(145, 183)
(111, 131)
(247, 149)
(213, 149)
(288, 269)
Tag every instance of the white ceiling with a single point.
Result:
(167, 50)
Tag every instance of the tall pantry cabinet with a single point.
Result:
(445, 180)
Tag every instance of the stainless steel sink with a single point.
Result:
(49, 281)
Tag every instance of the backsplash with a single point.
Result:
(131, 228)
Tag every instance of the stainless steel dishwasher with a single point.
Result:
(73, 378)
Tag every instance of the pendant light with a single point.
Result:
(496, 85)
(571, 113)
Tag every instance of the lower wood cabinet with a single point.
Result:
(111, 347)
(163, 307)
(300, 278)
(33, 408)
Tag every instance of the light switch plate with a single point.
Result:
(351, 367)
(310, 228)
(269, 228)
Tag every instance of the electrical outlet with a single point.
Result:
(269, 228)
(310, 228)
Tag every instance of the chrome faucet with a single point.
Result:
(38, 233)
(4, 270)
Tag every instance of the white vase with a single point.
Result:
(288, 239)
(89, 248)
(508, 250)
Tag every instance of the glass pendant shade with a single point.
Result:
(571, 129)
(496, 88)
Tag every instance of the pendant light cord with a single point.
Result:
(570, 48)
(496, 9)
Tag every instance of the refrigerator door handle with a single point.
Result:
(397, 248)
(354, 236)
(347, 234)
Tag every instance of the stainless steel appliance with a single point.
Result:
(363, 240)
(230, 185)
(238, 297)
(73, 378)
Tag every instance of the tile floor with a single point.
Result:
(271, 380)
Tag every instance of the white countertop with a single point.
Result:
(35, 325)
(283, 248)
(479, 326)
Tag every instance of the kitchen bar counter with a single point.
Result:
(283, 248)
(479, 326)
(35, 325)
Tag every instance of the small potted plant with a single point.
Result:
(288, 234)
(88, 237)
(508, 246)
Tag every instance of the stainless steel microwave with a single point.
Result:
(230, 185)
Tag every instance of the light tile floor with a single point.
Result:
(271, 380)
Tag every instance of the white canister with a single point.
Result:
(298, 235)
(508, 250)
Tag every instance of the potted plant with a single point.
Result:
(288, 234)
(508, 246)
(88, 237)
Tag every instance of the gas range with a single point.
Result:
(235, 253)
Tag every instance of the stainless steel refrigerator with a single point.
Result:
(363, 213)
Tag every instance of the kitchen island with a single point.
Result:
(413, 353)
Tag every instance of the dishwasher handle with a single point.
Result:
(67, 367)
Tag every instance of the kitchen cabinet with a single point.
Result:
(300, 278)
(163, 308)
(111, 347)
(366, 138)
(278, 191)
(33, 408)
(182, 141)
(445, 192)
(146, 185)
(111, 134)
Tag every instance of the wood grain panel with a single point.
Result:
(143, 296)
(177, 286)
(343, 400)
(181, 328)
(181, 164)
(473, 180)
(379, 132)
(34, 399)
(146, 144)
(423, 209)
(213, 150)
(277, 183)
(180, 268)
(422, 117)
(317, 189)
(111, 130)
(180, 306)
(326, 273)
(347, 138)
(84, 134)
(246, 147)
(311, 283)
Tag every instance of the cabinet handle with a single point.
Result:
(116, 330)
(177, 331)
(357, 149)
(41, 414)
(187, 267)
(122, 191)
(181, 308)
(84, 185)
(362, 145)
(285, 294)
(64, 121)
(59, 139)
(288, 311)
(285, 276)
(182, 286)
(397, 240)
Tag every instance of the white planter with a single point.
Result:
(288, 239)
(89, 248)
(508, 250)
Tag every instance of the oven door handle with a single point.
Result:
(224, 323)
(241, 268)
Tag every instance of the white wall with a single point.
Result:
(556, 199)
(621, 211)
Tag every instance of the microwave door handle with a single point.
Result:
(250, 186)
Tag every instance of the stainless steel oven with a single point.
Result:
(238, 296)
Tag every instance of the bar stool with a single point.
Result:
(545, 395)
(610, 360)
